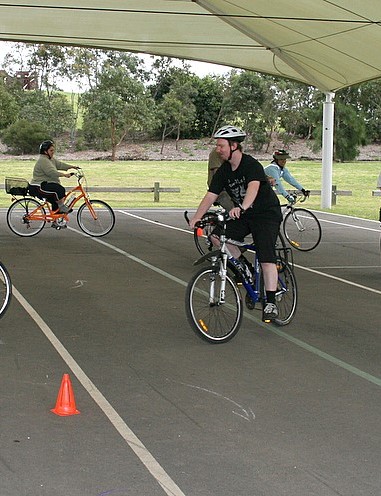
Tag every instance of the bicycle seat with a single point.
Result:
(36, 191)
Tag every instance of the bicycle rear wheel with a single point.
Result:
(210, 319)
(286, 295)
(281, 248)
(18, 217)
(5, 289)
(302, 229)
(96, 219)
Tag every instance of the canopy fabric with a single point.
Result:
(327, 44)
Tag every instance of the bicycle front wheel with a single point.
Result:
(302, 229)
(18, 217)
(286, 295)
(210, 318)
(96, 218)
(5, 289)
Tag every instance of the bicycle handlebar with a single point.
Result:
(218, 217)
(298, 196)
(79, 174)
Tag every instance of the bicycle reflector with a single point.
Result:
(203, 325)
(199, 232)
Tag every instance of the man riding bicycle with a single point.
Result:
(258, 211)
(277, 170)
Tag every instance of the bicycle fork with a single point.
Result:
(298, 222)
(220, 266)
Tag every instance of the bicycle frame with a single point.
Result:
(54, 215)
(222, 257)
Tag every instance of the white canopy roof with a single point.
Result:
(327, 44)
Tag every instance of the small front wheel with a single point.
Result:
(19, 218)
(5, 289)
(96, 218)
(212, 319)
(286, 295)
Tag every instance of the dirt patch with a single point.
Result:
(190, 150)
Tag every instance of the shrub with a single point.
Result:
(24, 137)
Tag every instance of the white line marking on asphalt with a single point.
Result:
(339, 279)
(272, 328)
(346, 267)
(323, 274)
(349, 225)
(156, 470)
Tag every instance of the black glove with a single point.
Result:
(306, 192)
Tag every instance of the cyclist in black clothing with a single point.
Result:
(258, 211)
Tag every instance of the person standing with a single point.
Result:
(46, 176)
(258, 211)
(214, 163)
(278, 171)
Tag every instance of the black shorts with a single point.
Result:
(264, 231)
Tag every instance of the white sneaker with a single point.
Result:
(270, 312)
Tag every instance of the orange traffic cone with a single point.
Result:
(65, 404)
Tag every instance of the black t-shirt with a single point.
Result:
(236, 182)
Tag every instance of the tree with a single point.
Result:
(24, 136)
(294, 102)
(176, 110)
(54, 113)
(349, 132)
(208, 103)
(365, 98)
(120, 102)
(8, 107)
(243, 105)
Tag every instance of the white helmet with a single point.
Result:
(230, 133)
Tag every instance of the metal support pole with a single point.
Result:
(327, 155)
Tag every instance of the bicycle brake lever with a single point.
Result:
(186, 216)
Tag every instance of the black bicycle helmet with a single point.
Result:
(281, 155)
(230, 133)
(45, 145)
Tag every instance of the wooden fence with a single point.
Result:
(334, 194)
(155, 189)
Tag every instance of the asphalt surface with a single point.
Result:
(291, 411)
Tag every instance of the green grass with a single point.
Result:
(190, 177)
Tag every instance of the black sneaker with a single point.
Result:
(270, 312)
